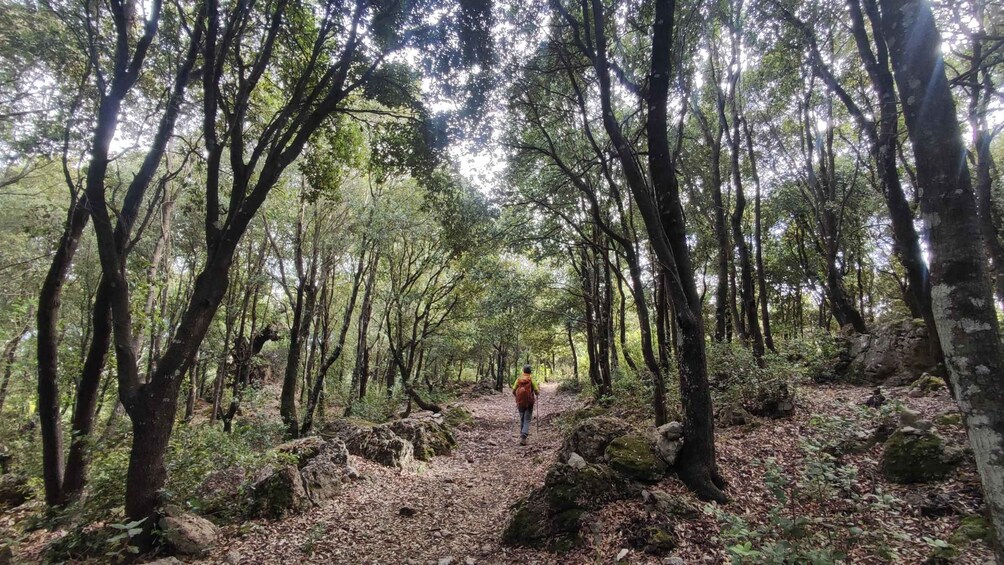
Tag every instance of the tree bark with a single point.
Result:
(962, 295)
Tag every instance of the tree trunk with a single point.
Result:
(761, 276)
(10, 355)
(336, 352)
(960, 281)
(47, 352)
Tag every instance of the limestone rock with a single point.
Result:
(634, 456)
(926, 385)
(303, 449)
(187, 534)
(730, 415)
(428, 437)
(917, 456)
(591, 436)
(576, 461)
(383, 446)
(657, 501)
(322, 479)
(458, 417)
(280, 494)
(14, 490)
(552, 516)
(669, 441)
(893, 354)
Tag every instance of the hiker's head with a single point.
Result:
(527, 369)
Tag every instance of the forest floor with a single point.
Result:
(462, 502)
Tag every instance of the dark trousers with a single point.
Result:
(525, 417)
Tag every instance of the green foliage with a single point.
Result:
(738, 381)
(806, 522)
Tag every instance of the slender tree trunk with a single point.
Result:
(336, 352)
(961, 289)
(575, 356)
(10, 355)
(761, 276)
(47, 344)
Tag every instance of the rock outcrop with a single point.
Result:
(187, 534)
(590, 438)
(428, 437)
(551, 517)
(894, 354)
(14, 490)
(634, 456)
(911, 455)
(317, 475)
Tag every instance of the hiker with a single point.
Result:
(526, 390)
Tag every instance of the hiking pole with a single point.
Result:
(537, 414)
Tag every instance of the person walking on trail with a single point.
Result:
(526, 390)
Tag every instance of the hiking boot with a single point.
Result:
(522, 440)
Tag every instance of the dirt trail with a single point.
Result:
(461, 502)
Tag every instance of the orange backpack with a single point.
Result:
(524, 391)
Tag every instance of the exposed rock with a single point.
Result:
(552, 516)
(446, 561)
(458, 417)
(222, 491)
(653, 537)
(303, 449)
(591, 436)
(927, 384)
(949, 419)
(576, 461)
(876, 400)
(233, 557)
(428, 437)
(669, 441)
(933, 503)
(170, 560)
(381, 445)
(634, 456)
(621, 555)
(322, 479)
(915, 456)
(280, 494)
(187, 534)
(674, 560)
(908, 417)
(773, 400)
(857, 441)
(893, 354)
(972, 528)
(731, 415)
(14, 490)
(659, 502)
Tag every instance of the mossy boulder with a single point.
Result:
(927, 384)
(634, 456)
(972, 528)
(458, 417)
(915, 456)
(949, 419)
(428, 437)
(529, 525)
(14, 490)
(551, 516)
(302, 450)
(590, 438)
(653, 537)
(280, 494)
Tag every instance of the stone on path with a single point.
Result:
(621, 555)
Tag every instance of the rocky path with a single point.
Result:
(450, 508)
